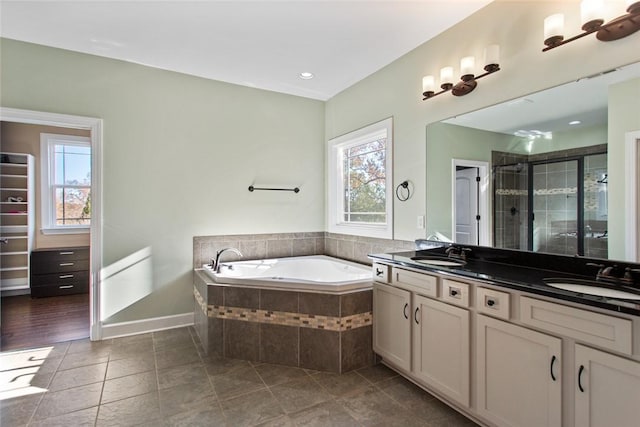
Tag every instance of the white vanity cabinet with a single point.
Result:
(441, 347)
(519, 377)
(421, 335)
(506, 357)
(392, 325)
(607, 389)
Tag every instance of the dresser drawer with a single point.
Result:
(381, 272)
(610, 332)
(456, 293)
(422, 284)
(60, 278)
(56, 290)
(58, 266)
(493, 303)
(48, 260)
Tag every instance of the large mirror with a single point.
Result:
(532, 173)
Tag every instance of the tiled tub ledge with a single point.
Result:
(324, 332)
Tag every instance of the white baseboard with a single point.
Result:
(143, 326)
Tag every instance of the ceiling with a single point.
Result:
(551, 110)
(263, 44)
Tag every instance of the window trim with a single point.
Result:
(47, 218)
(335, 223)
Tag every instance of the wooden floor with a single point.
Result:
(30, 322)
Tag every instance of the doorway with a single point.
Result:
(94, 127)
(470, 216)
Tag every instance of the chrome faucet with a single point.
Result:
(215, 262)
(457, 252)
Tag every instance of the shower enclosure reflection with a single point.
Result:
(554, 203)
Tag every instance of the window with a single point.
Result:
(360, 175)
(66, 183)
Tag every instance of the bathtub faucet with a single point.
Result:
(215, 263)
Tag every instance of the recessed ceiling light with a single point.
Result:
(306, 75)
(575, 122)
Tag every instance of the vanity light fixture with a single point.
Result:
(591, 12)
(468, 80)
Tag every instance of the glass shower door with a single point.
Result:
(555, 221)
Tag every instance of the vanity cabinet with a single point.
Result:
(607, 389)
(519, 375)
(421, 335)
(392, 325)
(507, 357)
(441, 347)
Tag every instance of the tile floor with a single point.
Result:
(164, 379)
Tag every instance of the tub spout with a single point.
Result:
(215, 263)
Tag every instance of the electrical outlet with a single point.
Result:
(420, 222)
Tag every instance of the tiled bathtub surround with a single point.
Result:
(308, 330)
(260, 246)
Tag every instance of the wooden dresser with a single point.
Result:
(59, 271)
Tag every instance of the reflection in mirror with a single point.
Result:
(548, 174)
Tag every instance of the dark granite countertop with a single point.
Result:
(498, 268)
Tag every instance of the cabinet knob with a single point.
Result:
(454, 292)
(491, 302)
(379, 272)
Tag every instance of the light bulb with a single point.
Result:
(428, 84)
(553, 29)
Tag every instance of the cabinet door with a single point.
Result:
(607, 389)
(519, 375)
(391, 324)
(441, 347)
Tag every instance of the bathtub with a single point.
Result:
(316, 273)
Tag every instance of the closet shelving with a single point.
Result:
(17, 220)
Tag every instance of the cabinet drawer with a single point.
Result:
(55, 290)
(423, 284)
(605, 331)
(48, 266)
(60, 278)
(60, 254)
(456, 293)
(494, 303)
(380, 272)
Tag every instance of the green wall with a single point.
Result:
(179, 154)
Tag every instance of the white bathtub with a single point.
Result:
(318, 273)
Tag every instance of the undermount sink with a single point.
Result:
(592, 288)
(438, 261)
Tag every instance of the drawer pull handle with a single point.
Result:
(404, 310)
(379, 272)
(491, 302)
(415, 315)
(553, 361)
(580, 371)
(66, 276)
(66, 264)
(454, 292)
(66, 253)
(65, 287)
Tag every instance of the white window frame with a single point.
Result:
(47, 198)
(335, 192)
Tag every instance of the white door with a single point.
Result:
(391, 325)
(607, 389)
(467, 206)
(518, 375)
(441, 347)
